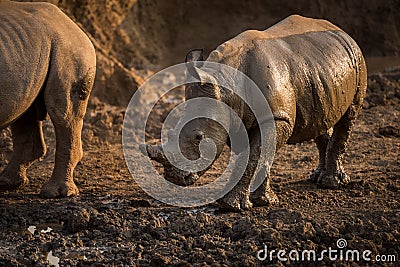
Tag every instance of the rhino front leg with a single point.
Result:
(264, 195)
(29, 146)
(322, 143)
(68, 153)
(239, 197)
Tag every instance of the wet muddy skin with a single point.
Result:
(113, 222)
(313, 76)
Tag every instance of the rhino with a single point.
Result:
(313, 76)
(47, 68)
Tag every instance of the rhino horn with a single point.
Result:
(153, 152)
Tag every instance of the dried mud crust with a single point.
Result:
(113, 222)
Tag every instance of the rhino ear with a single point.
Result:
(190, 60)
(194, 55)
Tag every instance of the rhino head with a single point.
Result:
(196, 131)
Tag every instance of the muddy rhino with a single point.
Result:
(313, 76)
(47, 66)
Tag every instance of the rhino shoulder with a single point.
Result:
(236, 47)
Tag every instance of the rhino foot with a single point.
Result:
(7, 183)
(234, 201)
(316, 174)
(59, 189)
(268, 198)
(333, 181)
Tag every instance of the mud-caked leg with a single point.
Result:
(239, 197)
(28, 146)
(264, 195)
(66, 109)
(322, 144)
(334, 175)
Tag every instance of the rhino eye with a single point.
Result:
(198, 136)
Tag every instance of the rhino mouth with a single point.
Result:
(171, 173)
(180, 178)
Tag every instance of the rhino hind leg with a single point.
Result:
(334, 175)
(66, 107)
(322, 144)
(29, 147)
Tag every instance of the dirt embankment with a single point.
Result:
(133, 37)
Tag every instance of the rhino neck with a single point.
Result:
(234, 57)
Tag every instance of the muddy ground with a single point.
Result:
(114, 223)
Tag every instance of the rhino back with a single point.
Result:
(325, 82)
(313, 77)
(309, 71)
